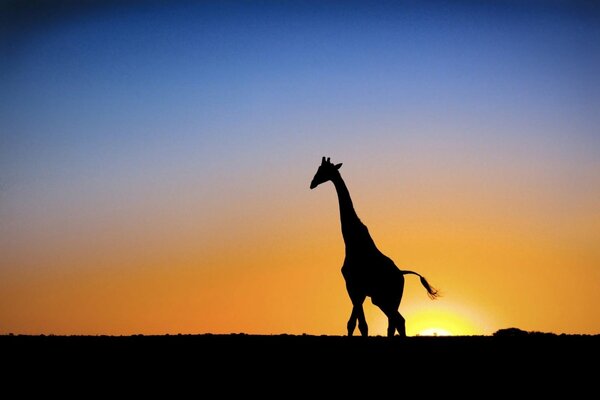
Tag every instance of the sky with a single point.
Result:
(155, 162)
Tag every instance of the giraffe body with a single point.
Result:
(366, 270)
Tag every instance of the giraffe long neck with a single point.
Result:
(355, 233)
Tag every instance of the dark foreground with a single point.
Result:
(306, 364)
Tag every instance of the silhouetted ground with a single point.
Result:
(289, 365)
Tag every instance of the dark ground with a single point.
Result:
(289, 365)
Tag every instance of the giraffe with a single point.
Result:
(366, 270)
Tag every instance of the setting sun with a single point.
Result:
(434, 332)
(443, 320)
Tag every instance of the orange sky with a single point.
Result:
(268, 261)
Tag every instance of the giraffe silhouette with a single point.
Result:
(366, 270)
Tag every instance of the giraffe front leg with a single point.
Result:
(351, 325)
(358, 315)
(362, 323)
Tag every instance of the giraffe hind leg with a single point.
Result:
(400, 324)
(396, 321)
(391, 329)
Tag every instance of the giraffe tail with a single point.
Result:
(432, 292)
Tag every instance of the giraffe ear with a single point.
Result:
(338, 166)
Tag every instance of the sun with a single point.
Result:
(423, 319)
(434, 332)
(442, 320)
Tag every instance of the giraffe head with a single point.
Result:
(326, 172)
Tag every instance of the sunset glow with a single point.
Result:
(155, 163)
(443, 321)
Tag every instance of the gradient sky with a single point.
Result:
(155, 162)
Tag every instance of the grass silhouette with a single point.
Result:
(283, 365)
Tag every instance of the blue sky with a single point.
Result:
(137, 84)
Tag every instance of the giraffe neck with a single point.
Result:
(355, 233)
